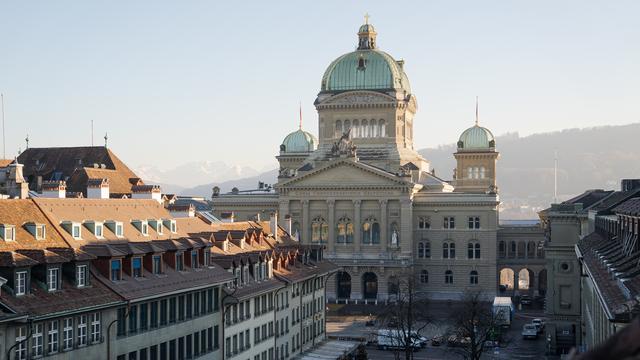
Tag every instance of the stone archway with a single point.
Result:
(526, 279)
(343, 280)
(507, 279)
(369, 286)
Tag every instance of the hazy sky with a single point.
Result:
(178, 81)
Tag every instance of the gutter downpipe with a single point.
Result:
(29, 324)
(126, 316)
(275, 313)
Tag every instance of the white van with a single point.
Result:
(395, 339)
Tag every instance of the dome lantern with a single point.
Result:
(366, 35)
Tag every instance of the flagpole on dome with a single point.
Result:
(476, 111)
(300, 124)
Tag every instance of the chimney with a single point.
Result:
(182, 211)
(146, 192)
(17, 187)
(54, 189)
(273, 224)
(288, 223)
(98, 188)
(227, 217)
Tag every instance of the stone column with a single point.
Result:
(305, 233)
(331, 242)
(384, 236)
(357, 225)
(406, 221)
(283, 211)
(516, 282)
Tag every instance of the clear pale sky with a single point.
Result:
(178, 81)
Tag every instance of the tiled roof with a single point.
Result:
(630, 207)
(14, 259)
(60, 163)
(614, 199)
(44, 256)
(5, 162)
(305, 271)
(70, 298)
(18, 212)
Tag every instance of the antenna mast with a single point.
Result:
(555, 177)
(91, 132)
(4, 148)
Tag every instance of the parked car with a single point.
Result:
(539, 323)
(423, 341)
(452, 340)
(529, 331)
(525, 300)
(437, 340)
(490, 344)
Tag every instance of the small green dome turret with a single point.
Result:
(299, 141)
(476, 138)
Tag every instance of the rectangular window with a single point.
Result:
(144, 228)
(81, 275)
(136, 267)
(52, 279)
(474, 222)
(40, 232)
(143, 316)
(95, 327)
(449, 222)
(181, 307)
(154, 314)
(189, 305)
(38, 340)
(216, 299)
(157, 264)
(133, 319)
(194, 259)
(196, 344)
(119, 230)
(21, 283)
(9, 233)
(21, 343)
(181, 348)
(180, 262)
(163, 312)
(52, 337)
(67, 334)
(75, 231)
(82, 330)
(172, 310)
(189, 346)
(98, 230)
(213, 338)
(116, 267)
(207, 257)
(153, 352)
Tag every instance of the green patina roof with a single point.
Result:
(380, 72)
(299, 141)
(476, 138)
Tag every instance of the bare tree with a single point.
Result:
(475, 324)
(405, 317)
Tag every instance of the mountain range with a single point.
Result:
(587, 158)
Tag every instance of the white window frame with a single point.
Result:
(119, 227)
(41, 232)
(197, 264)
(9, 233)
(95, 327)
(67, 334)
(81, 276)
(82, 330)
(75, 227)
(144, 228)
(53, 337)
(21, 283)
(98, 230)
(174, 227)
(37, 342)
(53, 278)
(133, 269)
(156, 269)
(159, 227)
(21, 344)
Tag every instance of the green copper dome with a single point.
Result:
(367, 68)
(299, 141)
(476, 138)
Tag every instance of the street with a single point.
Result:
(513, 346)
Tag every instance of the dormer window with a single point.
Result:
(8, 232)
(194, 259)
(96, 228)
(156, 225)
(136, 267)
(73, 228)
(81, 275)
(157, 264)
(20, 287)
(116, 227)
(37, 230)
(142, 226)
(180, 262)
(171, 225)
(53, 277)
(207, 257)
(116, 270)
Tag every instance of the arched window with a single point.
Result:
(344, 231)
(502, 249)
(295, 230)
(370, 231)
(482, 172)
(347, 125)
(469, 173)
(512, 253)
(531, 249)
(449, 250)
(473, 250)
(382, 128)
(356, 129)
(476, 173)
(338, 128)
(424, 276)
(448, 277)
(473, 277)
(364, 129)
(319, 230)
(373, 132)
(394, 235)
(421, 250)
(521, 249)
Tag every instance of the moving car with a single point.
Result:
(529, 331)
(539, 323)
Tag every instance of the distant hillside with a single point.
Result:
(587, 158)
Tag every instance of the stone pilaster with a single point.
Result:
(306, 223)
(384, 236)
(331, 205)
(357, 226)
(406, 221)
